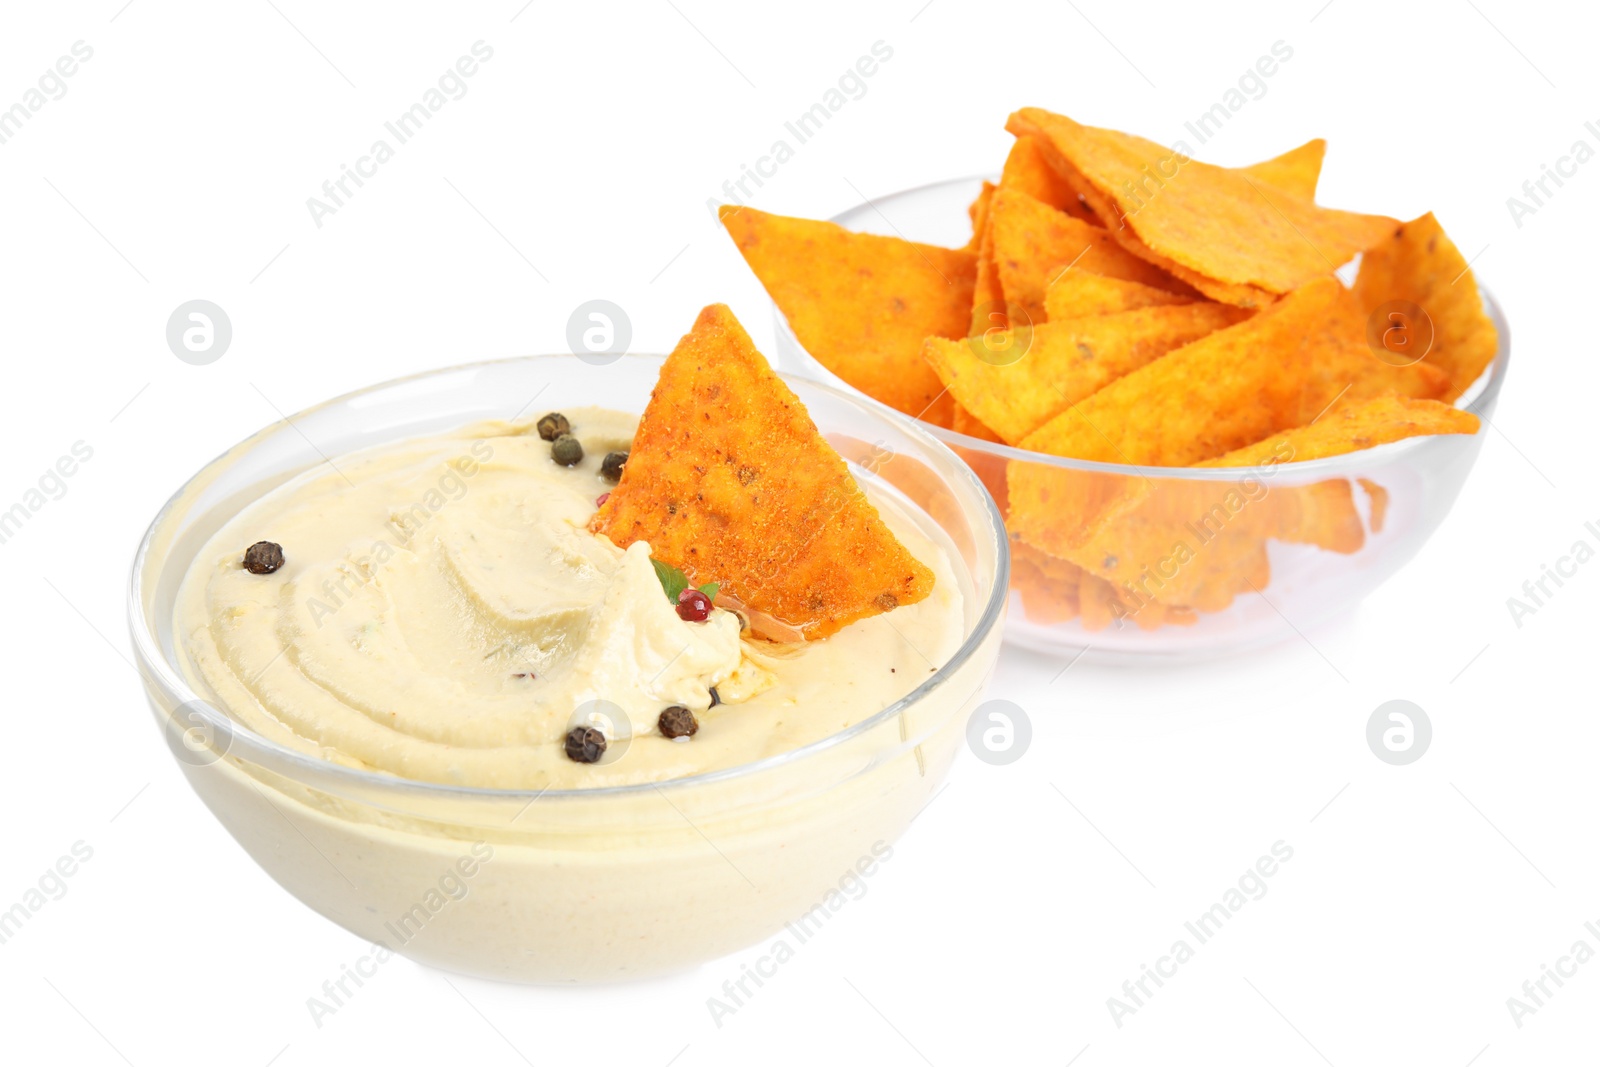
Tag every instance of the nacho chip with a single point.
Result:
(917, 481)
(1195, 543)
(1150, 615)
(1419, 264)
(860, 303)
(1167, 568)
(1099, 604)
(1377, 503)
(1272, 372)
(1027, 171)
(991, 471)
(1095, 600)
(1228, 389)
(1054, 566)
(988, 300)
(1245, 296)
(978, 212)
(1104, 603)
(729, 481)
(1064, 362)
(1058, 509)
(1186, 542)
(1217, 222)
(1048, 586)
(1236, 564)
(964, 421)
(1034, 243)
(1343, 365)
(1297, 171)
(1352, 427)
(1077, 293)
(1322, 514)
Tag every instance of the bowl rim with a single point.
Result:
(159, 671)
(1481, 402)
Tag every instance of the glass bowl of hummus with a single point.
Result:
(378, 713)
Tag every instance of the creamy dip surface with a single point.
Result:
(444, 614)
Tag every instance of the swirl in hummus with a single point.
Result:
(444, 613)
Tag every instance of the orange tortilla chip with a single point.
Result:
(1245, 296)
(915, 479)
(978, 212)
(1033, 243)
(1104, 603)
(964, 421)
(1099, 604)
(1209, 577)
(991, 471)
(729, 481)
(1377, 503)
(1322, 514)
(1028, 171)
(860, 303)
(988, 300)
(1350, 428)
(1062, 362)
(1270, 373)
(1078, 292)
(1186, 542)
(1419, 264)
(1149, 615)
(1196, 546)
(1095, 600)
(1297, 171)
(1218, 222)
(1058, 509)
(1236, 564)
(1048, 586)
(1343, 365)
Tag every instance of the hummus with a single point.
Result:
(445, 615)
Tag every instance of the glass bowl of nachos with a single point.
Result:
(1186, 464)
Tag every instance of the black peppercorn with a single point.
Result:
(566, 450)
(553, 426)
(611, 466)
(263, 557)
(677, 721)
(585, 744)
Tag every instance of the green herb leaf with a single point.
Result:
(673, 581)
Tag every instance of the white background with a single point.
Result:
(579, 165)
